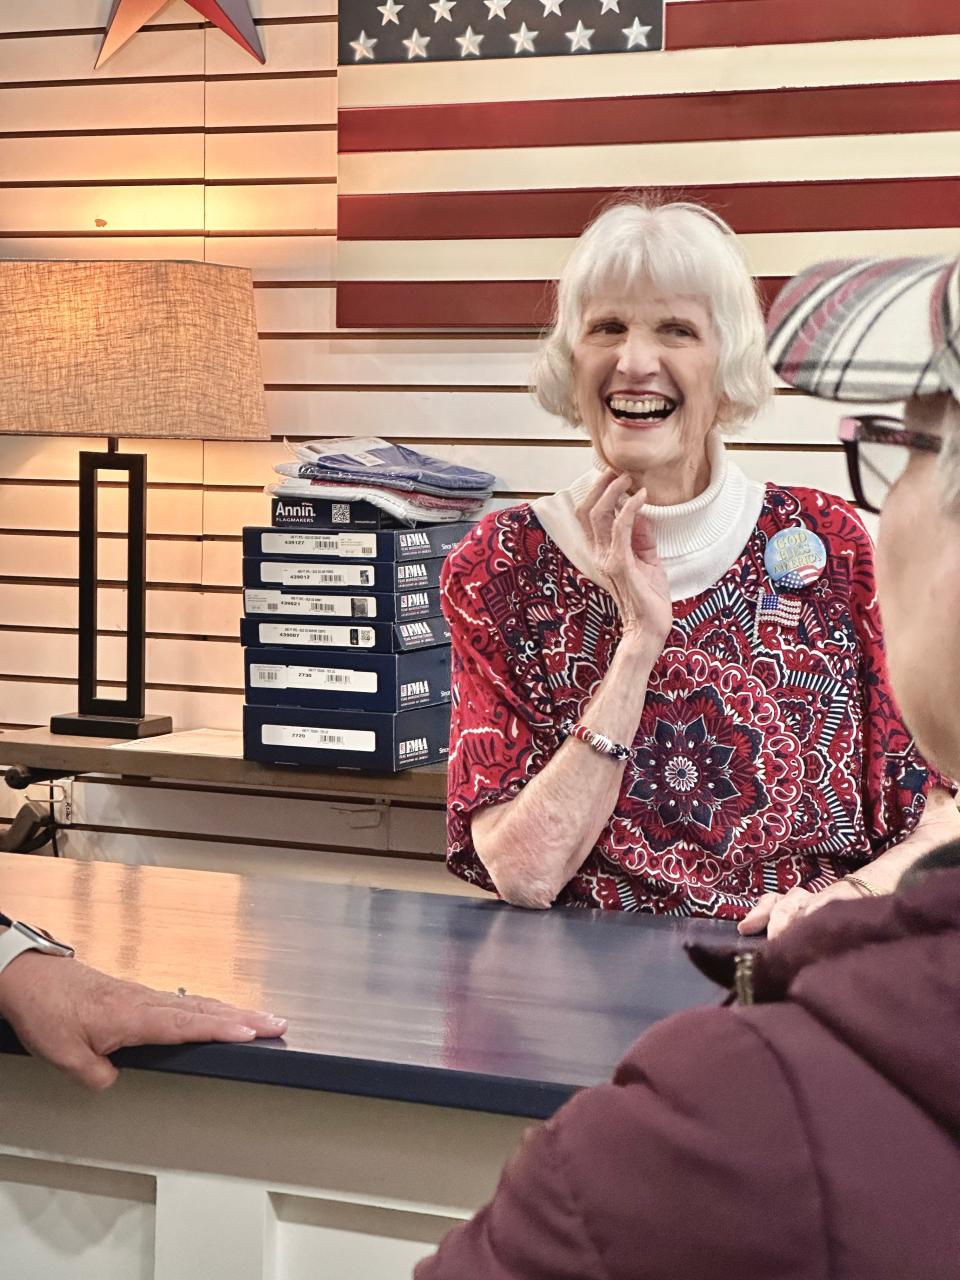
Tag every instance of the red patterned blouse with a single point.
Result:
(758, 765)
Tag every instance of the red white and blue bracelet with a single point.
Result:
(599, 741)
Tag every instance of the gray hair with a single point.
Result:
(679, 248)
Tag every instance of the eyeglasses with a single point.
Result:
(878, 450)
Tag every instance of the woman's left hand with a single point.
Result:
(775, 911)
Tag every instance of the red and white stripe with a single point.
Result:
(825, 129)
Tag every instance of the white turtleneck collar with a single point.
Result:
(697, 541)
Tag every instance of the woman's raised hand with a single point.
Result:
(625, 551)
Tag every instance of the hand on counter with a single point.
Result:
(75, 1016)
(775, 911)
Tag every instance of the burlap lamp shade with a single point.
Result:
(160, 349)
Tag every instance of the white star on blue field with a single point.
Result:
(373, 31)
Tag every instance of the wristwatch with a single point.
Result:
(19, 937)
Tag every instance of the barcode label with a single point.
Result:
(299, 633)
(263, 676)
(316, 575)
(363, 545)
(312, 606)
(261, 601)
(333, 678)
(288, 735)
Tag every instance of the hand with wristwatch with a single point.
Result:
(75, 1017)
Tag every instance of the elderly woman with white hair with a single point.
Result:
(669, 689)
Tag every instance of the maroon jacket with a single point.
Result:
(814, 1135)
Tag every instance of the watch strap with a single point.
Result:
(21, 937)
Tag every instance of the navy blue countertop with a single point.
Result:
(419, 997)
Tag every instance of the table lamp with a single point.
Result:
(166, 350)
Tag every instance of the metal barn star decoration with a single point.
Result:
(231, 16)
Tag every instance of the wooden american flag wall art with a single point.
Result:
(477, 138)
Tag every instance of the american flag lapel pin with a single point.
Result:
(781, 611)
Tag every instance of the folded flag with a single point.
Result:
(372, 459)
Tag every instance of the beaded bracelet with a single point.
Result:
(599, 741)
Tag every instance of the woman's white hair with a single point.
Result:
(679, 248)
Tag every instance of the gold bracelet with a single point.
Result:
(868, 889)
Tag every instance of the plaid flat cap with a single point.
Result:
(869, 329)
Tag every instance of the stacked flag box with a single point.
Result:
(347, 654)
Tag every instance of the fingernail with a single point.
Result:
(274, 1021)
(244, 1033)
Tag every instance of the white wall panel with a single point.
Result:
(307, 46)
(55, 556)
(56, 15)
(71, 209)
(216, 664)
(289, 257)
(303, 154)
(102, 105)
(57, 458)
(304, 206)
(105, 159)
(169, 511)
(227, 511)
(185, 612)
(292, 310)
(34, 702)
(69, 57)
(262, 102)
(398, 361)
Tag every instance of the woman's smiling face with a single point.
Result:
(645, 383)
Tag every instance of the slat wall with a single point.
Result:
(185, 147)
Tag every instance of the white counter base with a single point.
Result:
(168, 1177)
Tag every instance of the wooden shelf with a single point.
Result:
(41, 749)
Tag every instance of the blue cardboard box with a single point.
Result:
(340, 680)
(379, 606)
(394, 546)
(373, 637)
(342, 575)
(372, 741)
(326, 513)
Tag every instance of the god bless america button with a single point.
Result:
(794, 558)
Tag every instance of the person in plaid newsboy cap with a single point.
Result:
(878, 332)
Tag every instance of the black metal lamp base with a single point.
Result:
(85, 726)
(114, 717)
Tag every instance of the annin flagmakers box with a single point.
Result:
(336, 575)
(327, 513)
(376, 742)
(373, 637)
(384, 545)
(339, 681)
(382, 606)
